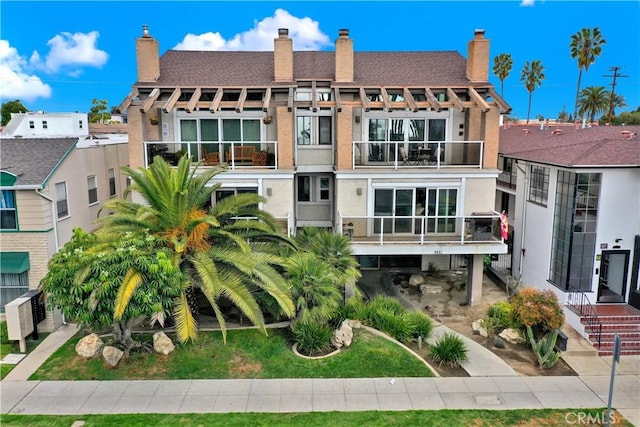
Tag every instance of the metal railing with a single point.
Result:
(422, 229)
(578, 299)
(507, 179)
(417, 154)
(232, 154)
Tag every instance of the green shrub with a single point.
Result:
(538, 309)
(4, 333)
(449, 350)
(422, 324)
(398, 326)
(383, 302)
(502, 313)
(312, 337)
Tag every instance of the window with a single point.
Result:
(32, 125)
(12, 285)
(92, 186)
(8, 218)
(313, 129)
(411, 135)
(539, 185)
(44, 124)
(112, 182)
(314, 189)
(574, 230)
(62, 206)
(223, 193)
(216, 135)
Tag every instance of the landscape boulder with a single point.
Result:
(342, 336)
(512, 336)
(112, 355)
(416, 280)
(478, 329)
(89, 346)
(162, 343)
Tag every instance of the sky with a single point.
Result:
(57, 56)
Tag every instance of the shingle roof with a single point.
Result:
(33, 160)
(223, 68)
(606, 146)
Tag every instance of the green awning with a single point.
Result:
(14, 262)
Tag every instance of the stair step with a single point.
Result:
(610, 336)
(614, 319)
(626, 327)
(627, 352)
(628, 345)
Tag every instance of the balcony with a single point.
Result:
(230, 154)
(478, 228)
(417, 154)
(507, 179)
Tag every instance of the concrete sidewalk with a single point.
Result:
(491, 386)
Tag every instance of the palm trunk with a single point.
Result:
(575, 108)
(529, 108)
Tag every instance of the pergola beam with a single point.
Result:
(148, 103)
(385, 98)
(314, 97)
(336, 92)
(193, 101)
(409, 98)
(364, 100)
(504, 107)
(432, 99)
(453, 97)
(217, 99)
(241, 100)
(128, 100)
(267, 100)
(171, 102)
(479, 100)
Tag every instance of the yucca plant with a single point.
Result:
(449, 350)
(311, 337)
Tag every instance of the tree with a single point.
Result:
(585, 46)
(502, 65)
(618, 101)
(532, 75)
(84, 277)
(98, 112)
(593, 100)
(225, 253)
(11, 107)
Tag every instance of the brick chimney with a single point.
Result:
(478, 58)
(344, 57)
(147, 57)
(283, 57)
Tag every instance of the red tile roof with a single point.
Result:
(603, 146)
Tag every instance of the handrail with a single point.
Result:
(578, 299)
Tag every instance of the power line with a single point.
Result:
(613, 89)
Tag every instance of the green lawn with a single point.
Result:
(247, 354)
(448, 418)
(7, 347)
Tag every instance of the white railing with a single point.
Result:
(417, 154)
(232, 154)
(422, 229)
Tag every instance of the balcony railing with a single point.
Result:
(233, 154)
(417, 154)
(423, 229)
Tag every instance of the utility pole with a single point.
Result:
(613, 90)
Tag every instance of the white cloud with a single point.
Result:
(526, 3)
(71, 52)
(304, 32)
(15, 80)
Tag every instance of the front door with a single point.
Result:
(612, 285)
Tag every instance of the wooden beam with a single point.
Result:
(193, 101)
(241, 99)
(314, 97)
(364, 100)
(168, 106)
(385, 98)
(128, 100)
(501, 103)
(336, 95)
(479, 100)
(432, 99)
(454, 98)
(217, 99)
(409, 98)
(290, 100)
(148, 103)
(267, 100)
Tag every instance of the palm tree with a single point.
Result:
(532, 76)
(502, 65)
(593, 100)
(617, 101)
(212, 251)
(585, 46)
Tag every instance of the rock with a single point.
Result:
(416, 280)
(89, 346)
(355, 324)
(430, 289)
(162, 343)
(343, 336)
(112, 355)
(498, 342)
(478, 329)
(512, 336)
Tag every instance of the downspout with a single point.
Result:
(524, 216)
(55, 228)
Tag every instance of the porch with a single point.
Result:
(231, 154)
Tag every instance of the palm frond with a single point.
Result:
(129, 284)
(186, 325)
